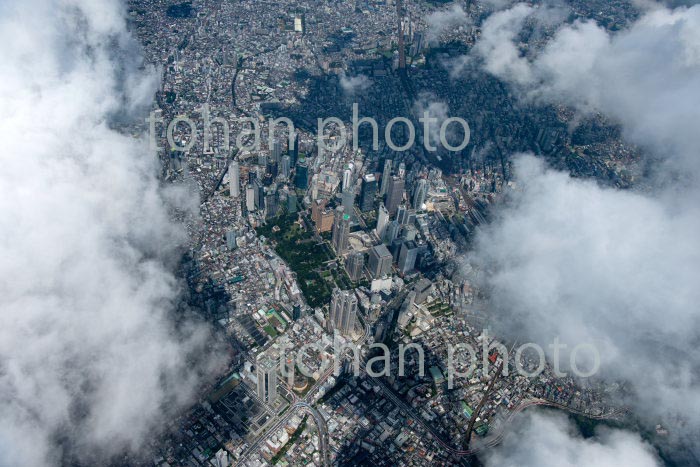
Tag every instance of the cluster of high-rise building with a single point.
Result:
(387, 216)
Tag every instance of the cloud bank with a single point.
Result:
(547, 440)
(90, 360)
(645, 77)
(569, 258)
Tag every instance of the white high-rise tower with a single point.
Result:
(234, 179)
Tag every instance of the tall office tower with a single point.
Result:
(294, 151)
(402, 170)
(386, 175)
(301, 180)
(341, 230)
(420, 194)
(392, 232)
(262, 160)
(394, 195)
(348, 201)
(276, 151)
(422, 289)
(284, 168)
(272, 169)
(231, 239)
(296, 312)
(271, 205)
(407, 257)
(291, 202)
(382, 221)
(234, 179)
(402, 214)
(380, 260)
(266, 372)
(343, 311)
(317, 207)
(402, 47)
(250, 198)
(368, 192)
(299, 23)
(252, 176)
(354, 266)
(259, 195)
(395, 248)
(347, 179)
(405, 216)
(409, 232)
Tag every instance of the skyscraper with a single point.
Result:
(382, 221)
(369, 191)
(420, 194)
(347, 179)
(392, 231)
(284, 167)
(407, 257)
(402, 47)
(322, 217)
(405, 216)
(394, 194)
(271, 205)
(276, 150)
(401, 214)
(348, 201)
(301, 180)
(354, 266)
(386, 175)
(259, 195)
(231, 239)
(341, 230)
(395, 249)
(250, 198)
(234, 178)
(291, 202)
(296, 312)
(266, 372)
(343, 311)
(379, 261)
(409, 232)
(272, 168)
(294, 151)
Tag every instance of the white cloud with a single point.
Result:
(88, 353)
(497, 46)
(437, 110)
(443, 20)
(546, 440)
(354, 84)
(569, 258)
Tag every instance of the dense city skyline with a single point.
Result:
(323, 232)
